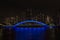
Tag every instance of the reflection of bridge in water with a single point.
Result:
(31, 33)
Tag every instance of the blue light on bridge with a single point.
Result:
(30, 33)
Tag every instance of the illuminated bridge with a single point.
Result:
(30, 30)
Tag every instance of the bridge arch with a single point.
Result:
(41, 23)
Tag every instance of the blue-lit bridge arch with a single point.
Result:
(41, 23)
(30, 33)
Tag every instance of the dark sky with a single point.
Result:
(11, 6)
(32, 3)
(40, 3)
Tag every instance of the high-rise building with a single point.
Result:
(7, 21)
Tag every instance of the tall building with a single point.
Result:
(7, 21)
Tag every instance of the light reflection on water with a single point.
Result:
(30, 33)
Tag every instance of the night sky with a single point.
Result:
(11, 7)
